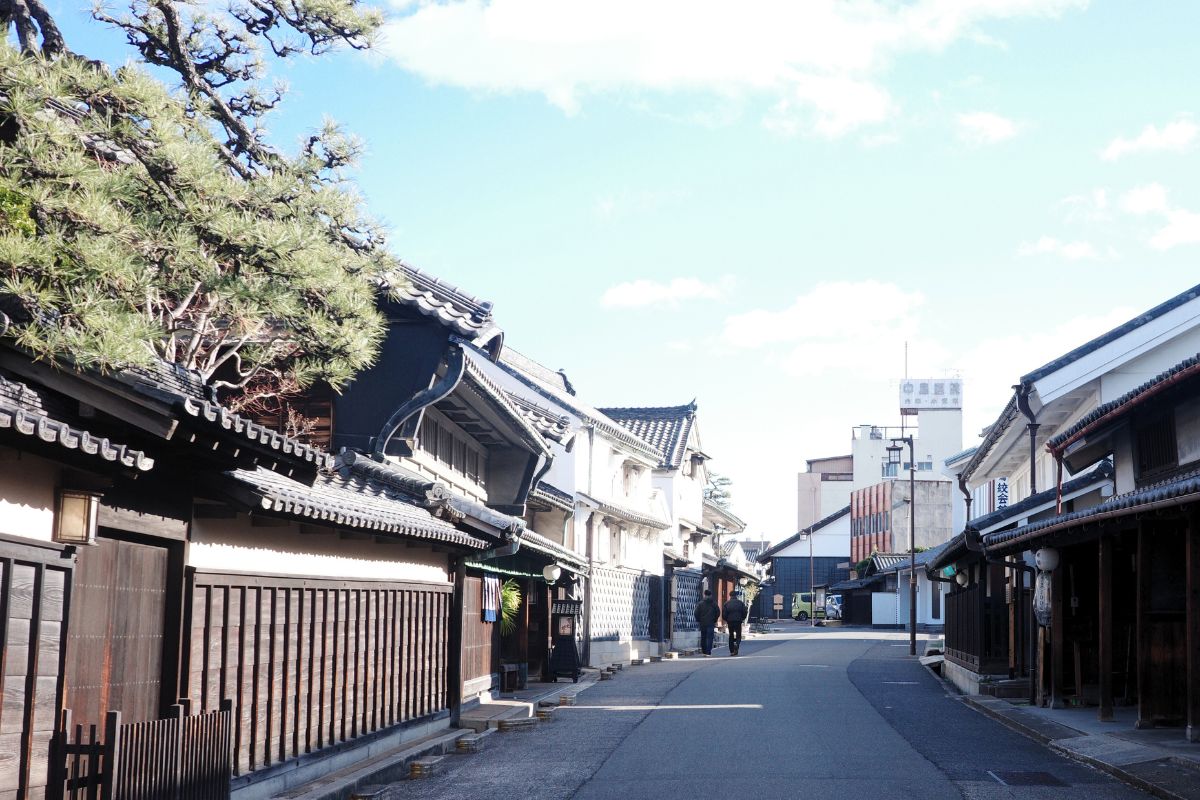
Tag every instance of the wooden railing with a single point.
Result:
(180, 757)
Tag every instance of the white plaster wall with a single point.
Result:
(883, 609)
(27, 486)
(234, 544)
(831, 541)
(868, 456)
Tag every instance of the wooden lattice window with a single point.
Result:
(1156, 451)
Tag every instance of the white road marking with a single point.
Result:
(901, 683)
(997, 777)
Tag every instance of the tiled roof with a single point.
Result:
(721, 511)
(628, 514)
(884, 562)
(468, 316)
(553, 496)
(970, 451)
(590, 416)
(1182, 370)
(555, 427)
(535, 541)
(1111, 336)
(991, 436)
(22, 410)
(857, 583)
(953, 550)
(665, 428)
(486, 388)
(221, 418)
(349, 501)
(765, 556)
(556, 379)
(1102, 472)
(431, 495)
(897, 563)
(1173, 492)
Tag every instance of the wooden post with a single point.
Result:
(112, 754)
(1106, 628)
(1192, 547)
(1058, 621)
(454, 656)
(1145, 715)
(1041, 667)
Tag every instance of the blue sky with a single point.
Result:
(757, 204)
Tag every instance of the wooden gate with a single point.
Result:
(180, 757)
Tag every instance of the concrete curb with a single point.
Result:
(1014, 722)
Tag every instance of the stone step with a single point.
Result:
(567, 700)
(526, 724)
(472, 742)
(606, 676)
(424, 767)
(656, 659)
(671, 656)
(545, 714)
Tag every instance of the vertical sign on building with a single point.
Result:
(1001, 493)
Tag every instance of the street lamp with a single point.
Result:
(812, 592)
(893, 450)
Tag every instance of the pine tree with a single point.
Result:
(135, 223)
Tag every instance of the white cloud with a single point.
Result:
(1071, 251)
(647, 293)
(1176, 137)
(820, 64)
(1090, 206)
(983, 127)
(1148, 199)
(835, 328)
(1183, 227)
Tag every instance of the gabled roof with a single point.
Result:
(886, 562)
(624, 514)
(1181, 371)
(1101, 472)
(725, 514)
(24, 409)
(765, 556)
(1112, 335)
(348, 501)
(665, 428)
(1170, 493)
(468, 316)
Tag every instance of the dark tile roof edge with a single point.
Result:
(433, 297)
(766, 555)
(40, 425)
(540, 543)
(956, 547)
(725, 512)
(553, 496)
(683, 417)
(555, 427)
(970, 451)
(627, 514)
(282, 495)
(1180, 490)
(606, 427)
(218, 416)
(1101, 472)
(488, 389)
(921, 559)
(1182, 369)
(993, 434)
(1116, 333)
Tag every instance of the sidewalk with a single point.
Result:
(1158, 761)
(521, 704)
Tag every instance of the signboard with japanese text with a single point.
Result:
(929, 393)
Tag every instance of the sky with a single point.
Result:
(758, 204)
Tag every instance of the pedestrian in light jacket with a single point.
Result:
(734, 612)
(707, 613)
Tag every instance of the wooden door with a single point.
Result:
(115, 636)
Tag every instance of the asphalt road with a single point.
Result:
(821, 714)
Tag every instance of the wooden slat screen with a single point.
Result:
(310, 663)
(34, 588)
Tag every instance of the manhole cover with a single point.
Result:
(1010, 778)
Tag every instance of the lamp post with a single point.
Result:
(894, 450)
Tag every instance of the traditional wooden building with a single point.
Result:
(1119, 582)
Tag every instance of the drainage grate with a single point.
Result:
(1011, 778)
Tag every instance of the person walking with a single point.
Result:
(707, 614)
(734, 612)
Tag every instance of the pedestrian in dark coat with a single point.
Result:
(707, 613)
(734, 612)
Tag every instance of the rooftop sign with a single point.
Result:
(927, 393)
